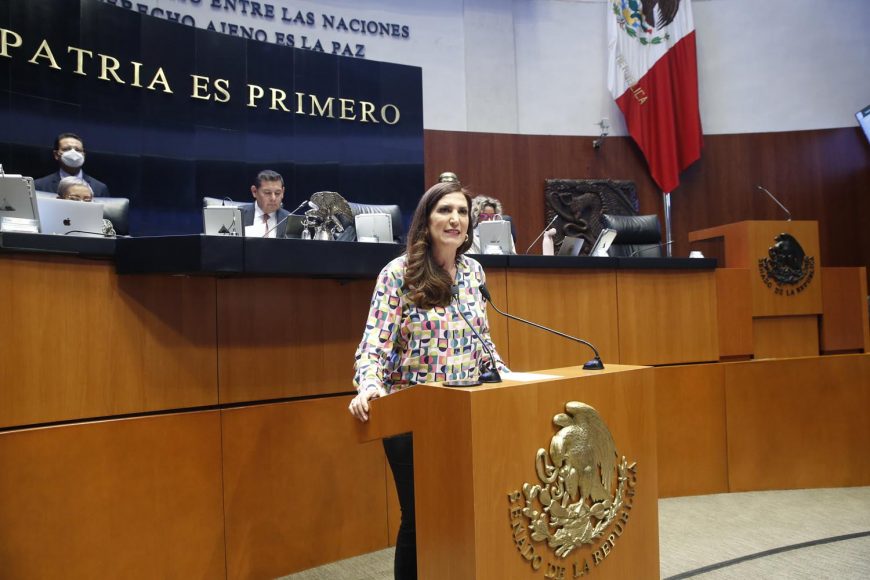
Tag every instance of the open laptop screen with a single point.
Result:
(62, 216)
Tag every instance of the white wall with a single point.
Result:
(538, 66)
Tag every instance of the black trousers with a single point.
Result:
(400, 454)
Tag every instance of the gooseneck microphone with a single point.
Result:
(788, 213)
(286, 217)
(488, 376)
(542, 233)
(275, 227)
(301, 205)
(592, 365)
(646, 249)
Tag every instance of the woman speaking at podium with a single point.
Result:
(414, 333)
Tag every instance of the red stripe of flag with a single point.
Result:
(662, 115)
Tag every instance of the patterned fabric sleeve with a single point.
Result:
(381, 331)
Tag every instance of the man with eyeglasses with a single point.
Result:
(261, 219)
(69, 153)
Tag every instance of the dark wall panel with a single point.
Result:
(165, 151)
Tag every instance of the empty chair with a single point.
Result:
(636, 235)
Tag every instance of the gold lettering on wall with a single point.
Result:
(44, 51)
(109, 65)
(137, 66)
(318, 110)
(278, 97)
(160, 79)
(222, 88)
(200, 88)
(5, 44)
(255, 93)
(366, 110)
(80, 61)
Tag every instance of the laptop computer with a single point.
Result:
(602, 244)
(65, 217)
(495, 237)
(222, 221)
(571, 246)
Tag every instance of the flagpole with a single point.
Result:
(666, 201)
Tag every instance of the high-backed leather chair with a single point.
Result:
(117, 211)
(636, 235)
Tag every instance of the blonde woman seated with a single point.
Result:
(76, 189)
(484, 208)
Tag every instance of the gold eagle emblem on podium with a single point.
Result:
(583, 482)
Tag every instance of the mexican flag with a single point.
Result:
(653, 76)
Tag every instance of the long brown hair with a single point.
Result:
(427, 283)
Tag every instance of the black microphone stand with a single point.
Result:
(593, 365)
(491, 375)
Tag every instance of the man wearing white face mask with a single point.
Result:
(69, 152)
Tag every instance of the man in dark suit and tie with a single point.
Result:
(69, 152)
(262, 217)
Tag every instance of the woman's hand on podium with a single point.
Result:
(359, 405)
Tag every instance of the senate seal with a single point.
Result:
(583, 496)
(787, 270)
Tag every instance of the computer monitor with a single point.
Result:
(374, 227)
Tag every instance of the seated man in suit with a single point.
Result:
(262, 217)
(75, 189)
(69, 152)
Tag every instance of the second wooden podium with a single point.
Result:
(551, 477)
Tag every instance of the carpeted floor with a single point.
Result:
(809, 533)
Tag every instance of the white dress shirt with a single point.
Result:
(257, 229)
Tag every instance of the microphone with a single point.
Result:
(592, 365)
(301, 205)
(642, 250)
(547, 227)
(224, 201)
(273, 228)
(788, 213)
(489, 376)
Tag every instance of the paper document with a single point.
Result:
(525, 377)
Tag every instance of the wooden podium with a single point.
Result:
(785, 316)
(475, 448)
